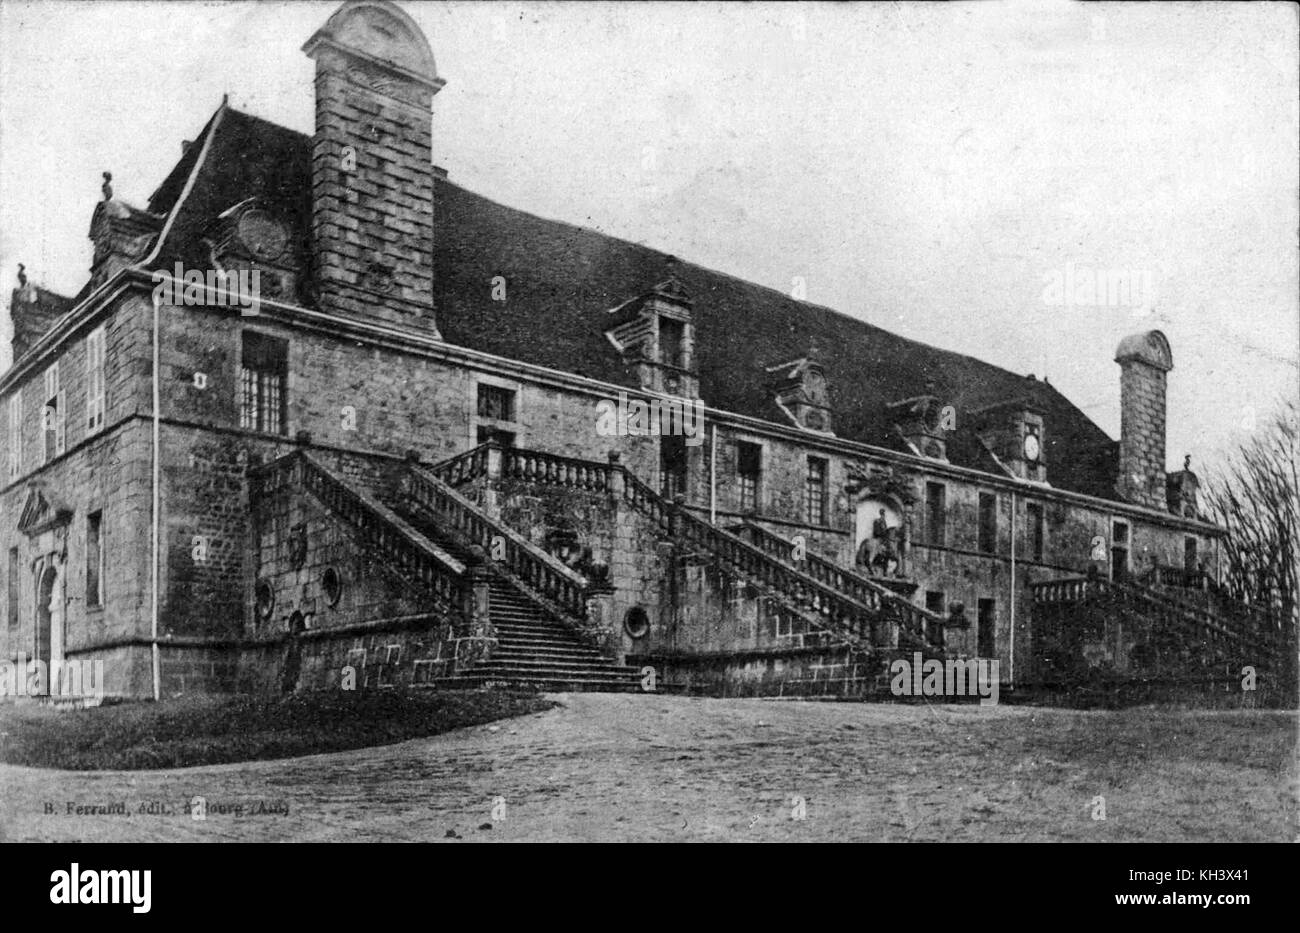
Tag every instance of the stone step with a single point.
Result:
(544, 661)
(548, 649)
(542, 684)
(554, 673)
(520, 616)
(545, 632)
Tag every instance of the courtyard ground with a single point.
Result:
(633, 767)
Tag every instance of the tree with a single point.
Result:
(1255, 495)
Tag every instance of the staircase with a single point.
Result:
(908, 626)
(433, 537)
(845, 606)
(1185, 636)
(536, 651)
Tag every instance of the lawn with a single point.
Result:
(219, 730)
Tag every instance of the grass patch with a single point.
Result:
(220, 730)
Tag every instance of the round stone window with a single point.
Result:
(332, 583)
(636, 622)
(265, 600)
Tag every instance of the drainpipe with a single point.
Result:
(713, 475)
(1011, 677)
(143, 266)
(157, 467)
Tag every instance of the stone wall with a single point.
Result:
(795, 672)
(387, 629)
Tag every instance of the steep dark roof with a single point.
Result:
(562, 281)
(247, 157)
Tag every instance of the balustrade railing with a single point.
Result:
(532, 466)
(464, 467)
(543, 573)
(374, 527)
(835, 609)
(914, 620)
(1193, 622)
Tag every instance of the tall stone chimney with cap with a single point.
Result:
(1144, 361)
(372, 165)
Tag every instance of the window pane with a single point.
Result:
(94, 560)
(672, 342)
(12, 584)
(749, 459)
(935, 496)
(15, 434)
(263, 376)
(1034, 513)
(496, 403)
(988, 531)
(816, 491)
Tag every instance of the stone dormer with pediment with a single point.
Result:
(924, 423)
(1014, 432)
(249, 236)
(800, 391)
(655, 334)
(121, 234)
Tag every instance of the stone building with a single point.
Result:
(453, 443)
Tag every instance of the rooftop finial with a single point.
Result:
(22, 276)
(107, 187)
(1187, 462)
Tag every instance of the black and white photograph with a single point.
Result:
(615, 422)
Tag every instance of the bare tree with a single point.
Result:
(1254, 494)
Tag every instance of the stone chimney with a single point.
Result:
(33, 311)
(1144, 359)
(372, 173)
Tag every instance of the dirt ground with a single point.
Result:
(656, 768)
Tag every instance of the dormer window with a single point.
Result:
(672, 342)
(800, 391)
(924, 422)
(654, 335)
(1013, 431)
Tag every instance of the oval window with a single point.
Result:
(265, 596)
(333, 585)
(636, 622)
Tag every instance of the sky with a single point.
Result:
(956, 173)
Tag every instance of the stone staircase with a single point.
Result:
(842, 604)
(535, 650)
(536, 606)
(1184, 637)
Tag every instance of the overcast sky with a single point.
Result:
(930, 168)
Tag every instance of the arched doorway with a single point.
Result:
(44, 616)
